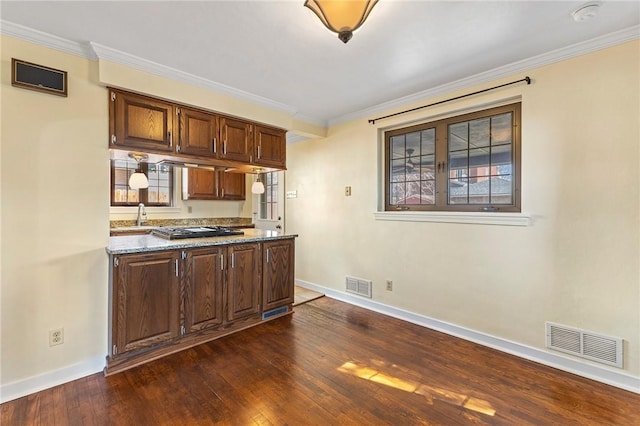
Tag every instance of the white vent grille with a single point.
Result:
(358, 286)
(585, 344)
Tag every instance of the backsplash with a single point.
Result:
(203, 221)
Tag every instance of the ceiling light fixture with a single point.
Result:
(342, 16)
(586, 11)
(138, 180)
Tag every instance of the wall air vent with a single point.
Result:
(358, 286)
(585, 344)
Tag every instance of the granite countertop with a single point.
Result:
(149, 243)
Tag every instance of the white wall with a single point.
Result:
(576, 264)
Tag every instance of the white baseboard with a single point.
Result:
(20, 388)
(561, 362)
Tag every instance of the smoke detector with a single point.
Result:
(586, 11)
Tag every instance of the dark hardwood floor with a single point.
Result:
(331, 363)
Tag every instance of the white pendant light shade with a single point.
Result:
(138, 180)
(257, 187)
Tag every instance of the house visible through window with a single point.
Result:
(269, 199)
(464, 163)
(160, 189)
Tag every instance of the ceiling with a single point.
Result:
(280, 52)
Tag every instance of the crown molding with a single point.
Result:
(132, 61)
(95, 51)
(47, 40)
(558, 55)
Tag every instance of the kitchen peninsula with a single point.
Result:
(169, 295)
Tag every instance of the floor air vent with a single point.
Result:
(585, 344)
(274, 312)
(358, 286)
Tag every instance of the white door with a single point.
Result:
(268, 208)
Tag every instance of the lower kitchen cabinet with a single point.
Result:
(203, 302)
(165, 301)
(145, 300)
(278, 279)
(243, 281)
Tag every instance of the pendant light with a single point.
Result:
(258, 186)
(342, 16)
(138, 180)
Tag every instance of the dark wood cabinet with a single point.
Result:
(209, 185)
(203, 300)
(236, 139)
(139, 122)
(198, 132)
(243, 281)
(277, 273)
(270, 147)
(166, 301)
(145, 306)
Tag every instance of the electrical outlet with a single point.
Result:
(56, 337)
(189, 209)
(389, 285)
(347, 191)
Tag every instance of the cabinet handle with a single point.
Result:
(214, 145)
(222, 262)
(267, 255)
(176, 267)
(113, 139)
(222, 193)
(224, 147)
(233, 260)
(259, 152)
(170, 138)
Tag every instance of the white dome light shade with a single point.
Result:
(138, 180)
(257, 187)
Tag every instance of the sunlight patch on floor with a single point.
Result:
(429, 392)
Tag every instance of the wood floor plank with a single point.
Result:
(331, 363)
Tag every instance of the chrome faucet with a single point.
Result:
(142, 215)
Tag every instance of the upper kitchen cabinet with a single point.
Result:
(270, 147)
(198, 132)
(210, 185)
(235, 136)
(139, 122)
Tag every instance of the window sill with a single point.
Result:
(134, 209)
(505, 219)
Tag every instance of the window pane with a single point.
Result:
(479, 157)
(458, 160)
(427, 167)
(479, 133)
(428, 192)
(458, 191)
(501, 190)
(397, 193)
(413, 144)
(504, 169)
(398, 169)
(152, 196)
(501, 129)
(428, 142)
(458, 136)
(132, 195)
(397, 147)
(500, 155)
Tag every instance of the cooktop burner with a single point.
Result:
(195, 232)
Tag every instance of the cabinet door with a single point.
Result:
(270, 147)
(277, 282)
(232, 186)
(139, 122)
(236, 140)
(203, 288)
(243, 281)
(146, 304)
(198, 132)
(202, 185)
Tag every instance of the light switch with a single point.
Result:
(347, 191)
